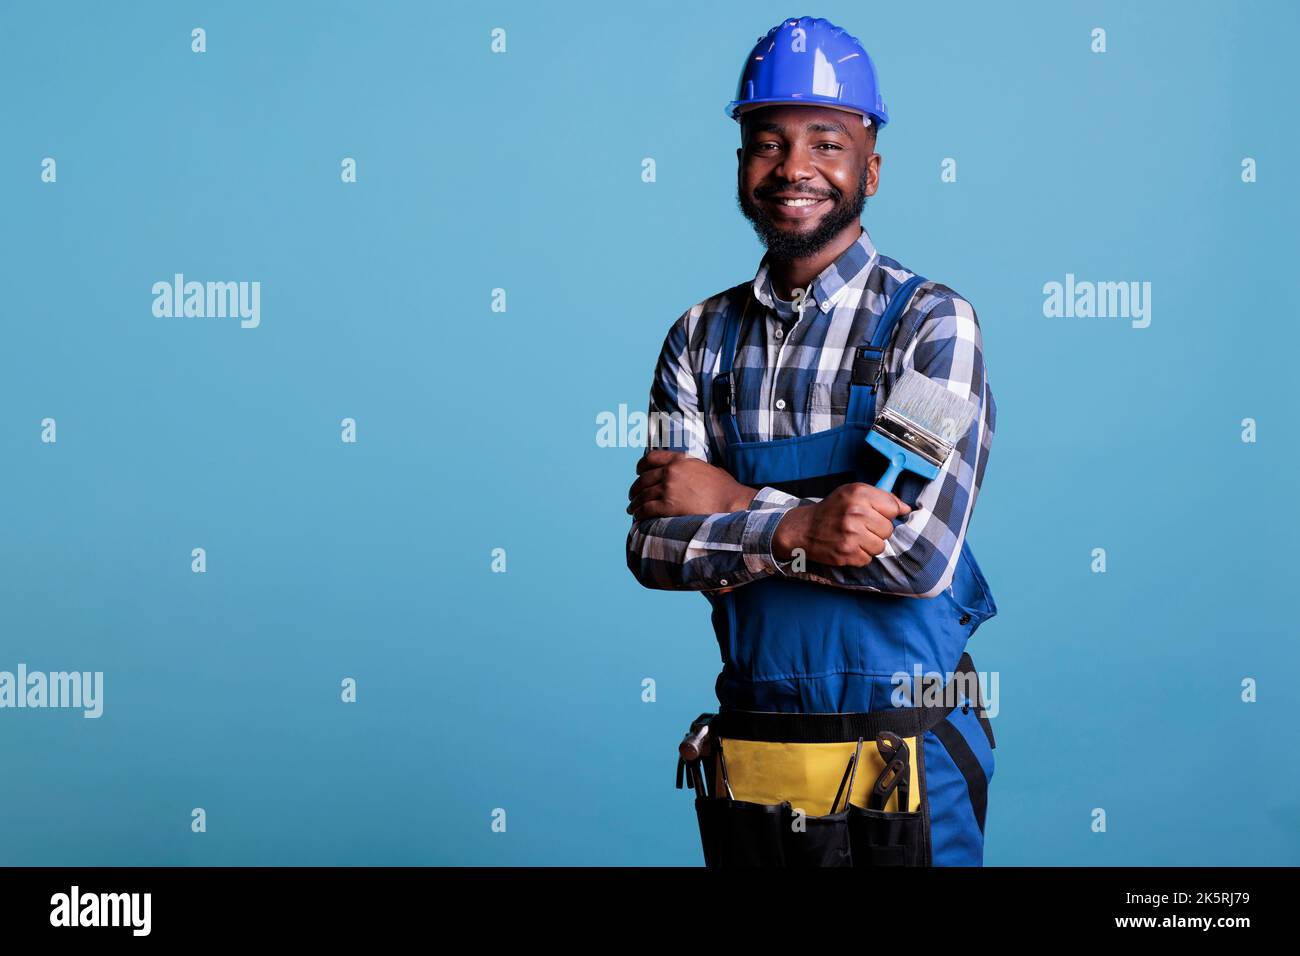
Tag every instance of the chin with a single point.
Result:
(803, 226)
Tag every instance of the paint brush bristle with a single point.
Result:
(936, 417)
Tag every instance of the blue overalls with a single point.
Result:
(796, 647)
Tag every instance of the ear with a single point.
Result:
(872, 186)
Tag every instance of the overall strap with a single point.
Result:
(724, 385)
(869, 360)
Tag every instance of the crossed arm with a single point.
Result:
(696, 528)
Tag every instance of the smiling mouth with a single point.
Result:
(795, 207)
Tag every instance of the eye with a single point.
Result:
(831, 145)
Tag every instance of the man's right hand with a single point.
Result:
(847, 528)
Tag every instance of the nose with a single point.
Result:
(796, 166)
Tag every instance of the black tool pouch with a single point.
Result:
(880, 838)
(738, 834)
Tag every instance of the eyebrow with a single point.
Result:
(835, 126)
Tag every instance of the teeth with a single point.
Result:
(799, 202)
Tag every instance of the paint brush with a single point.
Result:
(919, 427)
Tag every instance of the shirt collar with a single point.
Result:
(850, 269)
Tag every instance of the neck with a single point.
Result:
(790, 274)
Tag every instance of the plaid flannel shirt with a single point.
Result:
(792, 377)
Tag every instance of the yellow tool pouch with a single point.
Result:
(814, 790)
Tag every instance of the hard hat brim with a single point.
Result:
(736, 108)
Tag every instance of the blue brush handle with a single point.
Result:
(886, 482)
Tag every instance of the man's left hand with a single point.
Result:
(673, 483)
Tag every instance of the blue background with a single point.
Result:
(477, 429)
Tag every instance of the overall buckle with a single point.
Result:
(724, 392)
(867, 363)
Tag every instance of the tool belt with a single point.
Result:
(814, 790)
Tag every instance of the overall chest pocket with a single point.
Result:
(828, 403)
(828, 396)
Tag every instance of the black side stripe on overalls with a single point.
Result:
(977, 784)
(980, 713)
(983, 718)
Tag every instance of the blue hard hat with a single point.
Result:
(812, 61)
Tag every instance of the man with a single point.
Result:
(828, 593)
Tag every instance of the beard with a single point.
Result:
(786, 245)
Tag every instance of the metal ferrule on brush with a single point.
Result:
(911, 436)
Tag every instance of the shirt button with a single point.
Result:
(780, 333)
(780, 403)
(723, 582)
